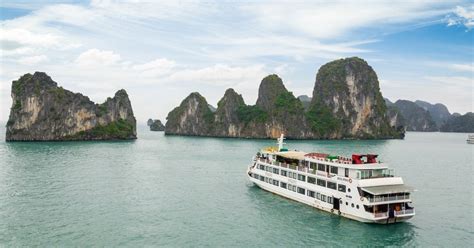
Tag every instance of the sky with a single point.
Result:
(161, 51)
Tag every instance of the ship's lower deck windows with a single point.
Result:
(312, 180)
(318, 196)
(311, 194)
(330, 199)
(292, 187)
(301, 190)
(275, 171)
(332, 185)
(323, 198)
(283, 173)
(283, 185)
(276, 183)
(255, 176)
(341, 187)
(262, 178)
(261, 167)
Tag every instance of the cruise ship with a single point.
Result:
(359, 188)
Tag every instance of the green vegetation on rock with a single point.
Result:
(249, 113)
(286, 101)
(119, 129)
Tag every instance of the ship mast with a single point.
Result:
(280, 142)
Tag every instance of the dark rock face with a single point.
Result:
(149, 122)
(43, 111)
(415, 118)
(461, 123)
(192, 117)
(347, 102)
(439, 112)
(344, 105)
(156, 125)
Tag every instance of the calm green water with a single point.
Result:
(184, 191)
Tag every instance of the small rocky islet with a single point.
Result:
(155, 125)
(43, 111)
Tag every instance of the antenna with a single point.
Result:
(280, 142)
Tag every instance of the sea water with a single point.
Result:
(189, 191)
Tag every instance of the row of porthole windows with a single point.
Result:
(294, 175)
(302, 191)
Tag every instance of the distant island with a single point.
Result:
(426, 117)
(42, 111)
(155, 125)
(346, 104)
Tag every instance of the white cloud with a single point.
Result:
(220, 75)
(463, 67)
(155, 68)
(329, 19)
(33, 60)
(96, 57)
(462, 16)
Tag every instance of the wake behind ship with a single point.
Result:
(359, 188)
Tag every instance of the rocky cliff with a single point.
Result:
(459, 123)
(156, 125)
(439, 112)
(415, 118)
(42, 111)
(346, 103)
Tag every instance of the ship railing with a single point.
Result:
(405, 211)
(388, 198)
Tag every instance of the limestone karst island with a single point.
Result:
(346, 104)
(43, 111)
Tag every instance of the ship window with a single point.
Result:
(302, 178)
(329, 199)
(341, 187)
(294, 175)
(346, 172)
(290, 174)
(261, 167)
(283, 173)
(334, 169)
(349, 190)
(347, 204)
(301, 191)
(323, 198)
(357, 206)
(294, 188)
(255, 176)
(262, 178)
(312, 180)
(275, 170)
(332, 185)
(311, 193)
(312, 165)
(321, 182)
(352, 205)
(321, 167)
(275, 182)
(318, 196)
(283, 185)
